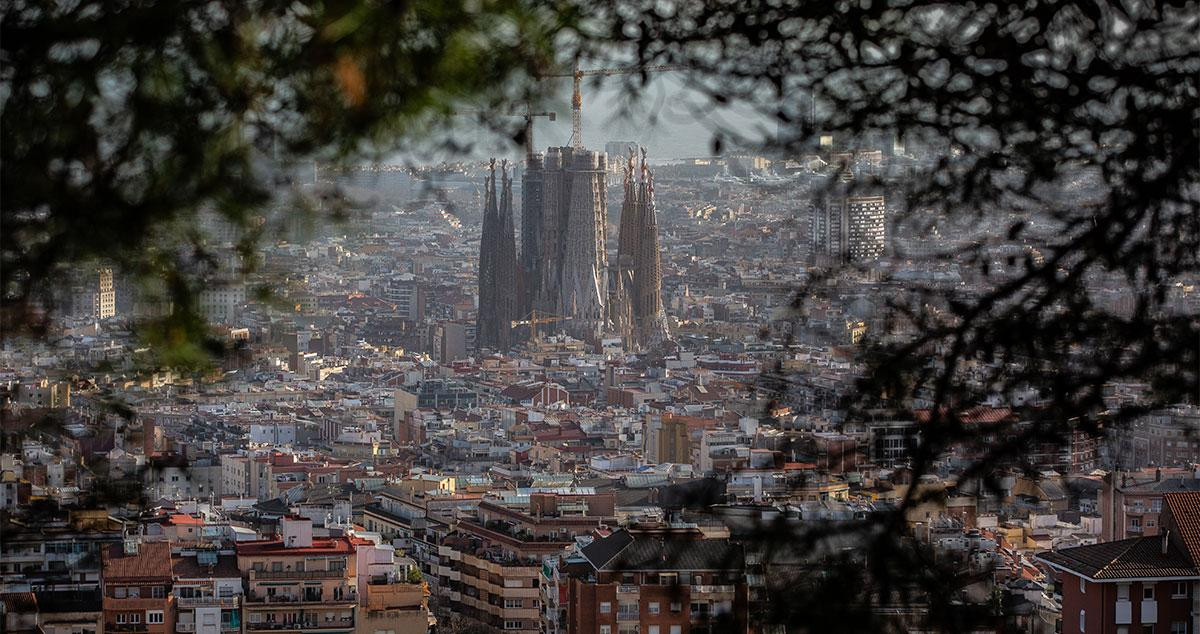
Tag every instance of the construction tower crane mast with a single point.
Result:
(577, 76)
(534, 318)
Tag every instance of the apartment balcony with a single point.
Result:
(126, 627)
(260, 600)
(338, 624)
(207, 602)
(191, 627)
(135, 603)
(297, 574)
(627, 589)
(712, 589)
(631, 615)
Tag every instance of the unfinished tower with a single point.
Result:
(532, 207)
(572, 280)
(583, 290)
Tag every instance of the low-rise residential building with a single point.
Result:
(1138, 585)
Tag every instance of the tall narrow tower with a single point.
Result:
(485, 336)
(639, 263)
(501, 291)
(583, 290)
(532, 250)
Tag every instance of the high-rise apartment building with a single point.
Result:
(844, 228)
(93, 295)
(667, 439)
(866, 227)
(408, 295)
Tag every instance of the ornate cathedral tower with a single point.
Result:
(639, 263)
(501, 288)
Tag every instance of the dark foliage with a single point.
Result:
(124, 123)
(1066, 135)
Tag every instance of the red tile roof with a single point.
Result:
(1139, 557)
(180, 519)
(153, 560)
(1185, 512)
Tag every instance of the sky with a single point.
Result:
(673, 121)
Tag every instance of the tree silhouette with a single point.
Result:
(1062, 134)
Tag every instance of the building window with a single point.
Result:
(1180, 591)
(676, 606)
(276, 566)
(653, 629)
(1179, 627)
(119, 592)
(676, 629)
(653, 608)
(158, 592)
(512, 625)
(135, 617)
(605, 607)
(154, 616)
(120, 617)
(512, 603)
(605, 629)
(1122, 592)
(1147, 592)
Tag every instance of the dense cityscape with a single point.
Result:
(436, 425)
(912, 347)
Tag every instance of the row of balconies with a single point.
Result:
(191, 627)
(207, 602)
(297, 574)
(340, 623)
(347, 597)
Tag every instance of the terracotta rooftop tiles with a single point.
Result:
(153, 560)
(1185, 513)
(1139, 557)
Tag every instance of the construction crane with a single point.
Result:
(577, 98)
(528, 115)
(532, 320)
